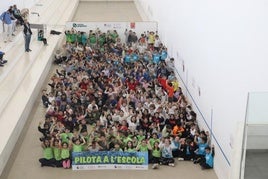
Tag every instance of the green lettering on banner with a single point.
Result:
(128, 159)
(93, 159)
(106, 159)
(133, 160)
(119, 159)
(83, 160)
(98, 159)
(76, 159)
(112, 159)
(88, 159)
(124, 159)
(141, 160)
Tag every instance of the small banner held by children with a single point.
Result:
(109, 160)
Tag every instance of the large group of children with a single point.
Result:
(119, 96)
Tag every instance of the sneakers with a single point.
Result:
(3, 62)
(155, 166)
(171, 164)
(197, 161)
(68, 164)
(180, 159)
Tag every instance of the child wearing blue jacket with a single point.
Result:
(207, 161)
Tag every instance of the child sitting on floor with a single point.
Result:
(2, 61)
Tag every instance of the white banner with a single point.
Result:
(120, 27)
(110, 167)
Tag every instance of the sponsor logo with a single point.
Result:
(79, 25)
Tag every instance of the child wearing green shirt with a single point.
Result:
(48, 159)
(65, 155)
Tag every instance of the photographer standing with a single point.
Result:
(27, 35)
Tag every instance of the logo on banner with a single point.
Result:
(79, 25)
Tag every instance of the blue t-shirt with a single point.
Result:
(163, 55)
(135, 57)
(209, 159)
(127, 59)
(146, 58)
(156, 58)
(202, 148)
(6, 18)
(176, 144)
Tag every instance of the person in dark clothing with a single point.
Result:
(45, 100)
(45, 131)
(207, 161)
(17, 14)
(27, 35)
(187, 149)
(2, 61)
(41, 37)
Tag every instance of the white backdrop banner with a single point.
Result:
(120, 27)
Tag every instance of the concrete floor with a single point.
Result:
(256, 164)
(107, 11)
(24, 162)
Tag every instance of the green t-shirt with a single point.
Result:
(57, 153)
(114, 36)
(140, 137)
(77, 148)
(85, 145)
(125, 140)
(79, 38)
(48, 153)
(152, 141)
(68, 38)
(156, 153)
(65, 153)
(65, 137)
(143, 148)
(92, 39)
(73, 38)
(101, 40)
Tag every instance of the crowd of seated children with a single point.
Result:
(114, 96)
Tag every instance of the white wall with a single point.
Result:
(223, 45)
(257, 136)
(257, 112)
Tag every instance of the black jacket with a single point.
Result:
(27, 28)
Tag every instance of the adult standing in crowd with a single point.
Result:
(6, 19)
(27, 35)
(17, 14)
(13, 20)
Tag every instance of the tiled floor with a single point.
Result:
(28, 151)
